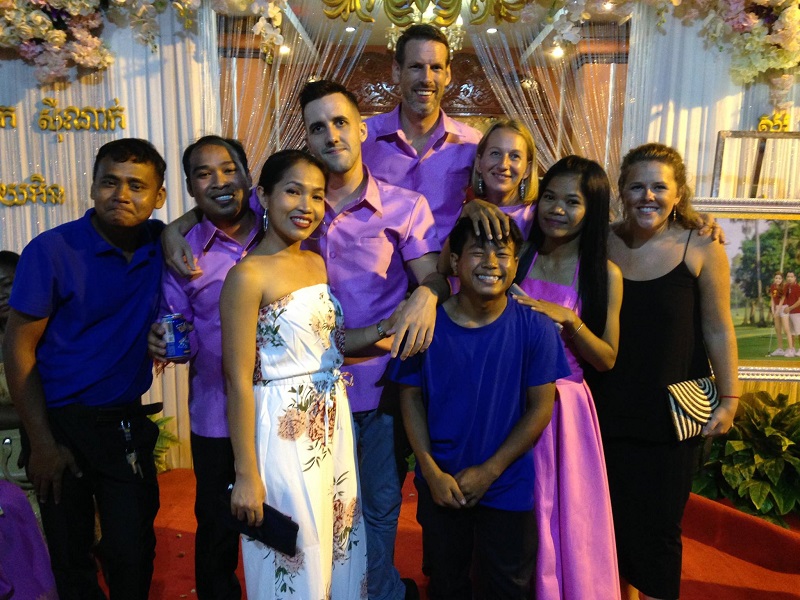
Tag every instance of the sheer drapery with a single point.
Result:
(170, 97)
(259, 99)
(680, 93)
(572, 104)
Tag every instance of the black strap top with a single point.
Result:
(660, 342)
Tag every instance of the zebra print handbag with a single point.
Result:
(691, 404)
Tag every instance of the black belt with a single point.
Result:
(108, 414)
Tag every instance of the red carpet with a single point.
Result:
(727, 555)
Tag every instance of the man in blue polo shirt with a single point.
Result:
(83, 299)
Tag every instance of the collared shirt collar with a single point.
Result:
(369, 195)
(208, 233)
(101, 245)
(445, 125)
(393, 124)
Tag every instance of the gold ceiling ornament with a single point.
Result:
(446, 11)
(502, 10)
(454, 32)
(343, 9)
(401, 12)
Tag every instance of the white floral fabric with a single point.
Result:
(307, 460)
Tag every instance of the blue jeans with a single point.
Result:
(380, 497)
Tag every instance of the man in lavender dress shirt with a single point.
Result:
(217, 177)
(417, 146)
(373, 233)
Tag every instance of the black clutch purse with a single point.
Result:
(691, 404)
(277, 530)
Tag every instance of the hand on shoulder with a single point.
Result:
(705, 251)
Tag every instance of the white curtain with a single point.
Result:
(680, 93)
(170, 97)
(260, 99)
(572, 104)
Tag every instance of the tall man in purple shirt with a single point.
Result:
(217, 177)
(417, 146)
(372, 233)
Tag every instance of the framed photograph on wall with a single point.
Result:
(755, 196)
(758, 248)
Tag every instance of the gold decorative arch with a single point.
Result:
(400, 12)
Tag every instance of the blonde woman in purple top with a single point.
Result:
(505, 173)
(567, 277)
(503, 176)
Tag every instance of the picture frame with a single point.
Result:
(758, 244)
(755, 196)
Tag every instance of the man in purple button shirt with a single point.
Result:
(217, 177)
(417, 146)
(372, 233)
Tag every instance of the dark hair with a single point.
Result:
(314, 90)
(9, 259)
(280, 162)
(593, 244)
(421, 31)
(234, 148)
(685, 214)
(131, 149)
(464, 230)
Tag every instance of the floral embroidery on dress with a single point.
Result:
(316, 419)
(291, 424)
(323, 322)
(306, 414)
(267, 328)
(338, 333)
(286, 569)
(299, 392)
(346, 519)
(257, 371)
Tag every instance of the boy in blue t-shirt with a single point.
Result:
(473, 406)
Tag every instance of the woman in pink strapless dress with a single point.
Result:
(567, 277)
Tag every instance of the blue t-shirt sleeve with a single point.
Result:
(406, 372)
(34, 287)
(547, 360)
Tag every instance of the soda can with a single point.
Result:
(176, 336)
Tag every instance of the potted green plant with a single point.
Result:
(757, 465)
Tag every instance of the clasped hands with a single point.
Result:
(462, 490)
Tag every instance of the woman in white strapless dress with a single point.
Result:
(290, 420)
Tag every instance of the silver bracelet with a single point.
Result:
(572, 337)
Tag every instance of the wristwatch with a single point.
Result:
(381, 333)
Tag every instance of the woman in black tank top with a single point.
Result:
(675, 319)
